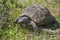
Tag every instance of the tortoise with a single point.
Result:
(35, 15)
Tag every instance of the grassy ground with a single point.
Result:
(14, 8)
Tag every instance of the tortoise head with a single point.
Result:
(22, 20)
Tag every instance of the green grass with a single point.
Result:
(14, 9)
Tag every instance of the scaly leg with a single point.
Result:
(35, 27)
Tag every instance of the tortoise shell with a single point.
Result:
(38, 13)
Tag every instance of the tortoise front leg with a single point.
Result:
(35, 27)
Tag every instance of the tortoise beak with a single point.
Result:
(15, 21)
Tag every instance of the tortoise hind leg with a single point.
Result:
(55, 25)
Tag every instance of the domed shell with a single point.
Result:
(38, 13)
